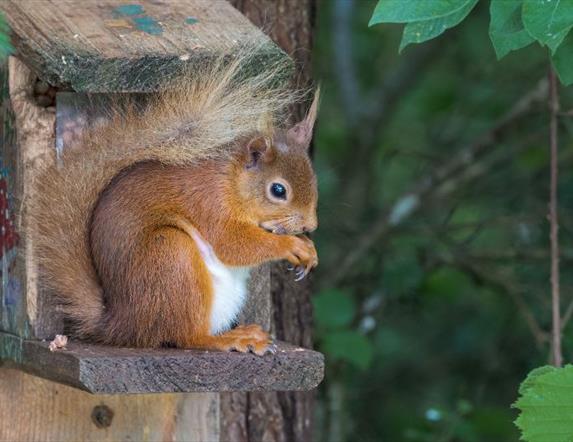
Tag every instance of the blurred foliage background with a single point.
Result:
(433, 297)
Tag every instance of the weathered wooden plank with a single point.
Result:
(111, 46)
(34, 409)
(27, 135)
(12, 299)
(109, 370)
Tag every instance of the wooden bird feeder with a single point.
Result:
(64, 51)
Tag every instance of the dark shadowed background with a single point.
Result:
(433, 297)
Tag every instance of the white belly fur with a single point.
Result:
(229, 287)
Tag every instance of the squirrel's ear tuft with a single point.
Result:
(259, 151)
(301, 133)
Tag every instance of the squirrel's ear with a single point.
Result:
(259, 150)
(301, 133)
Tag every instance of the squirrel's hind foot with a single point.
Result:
(250, 339)
(244, 339)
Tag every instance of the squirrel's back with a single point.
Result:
(197, 118)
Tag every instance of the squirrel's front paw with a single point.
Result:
(302, 255)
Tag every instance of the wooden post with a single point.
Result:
(33, 409)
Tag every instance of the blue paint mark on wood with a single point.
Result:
(191, 20)
(128, 10)
(148, 25)
(13, 292)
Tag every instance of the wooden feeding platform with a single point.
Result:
(63, 51)
(105, 370)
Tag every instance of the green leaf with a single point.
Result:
(333, 308)
(407, 11)
(424, 30)
(348, 346)
(546, 405)
(548, 21)
(533, 158)
(425, 19)
(532, 377)
(562, 61)
(447, 282)
(506, 29)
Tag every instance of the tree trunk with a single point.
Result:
(279, 416)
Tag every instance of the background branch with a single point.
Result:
(553, 219)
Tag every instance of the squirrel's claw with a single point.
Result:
(301, 272)
(271, 349)
(303, 255)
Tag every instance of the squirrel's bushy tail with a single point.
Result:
(195, 118)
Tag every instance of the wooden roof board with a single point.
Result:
(118, 46)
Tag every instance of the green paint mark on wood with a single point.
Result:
(128, 10)
(148, 25)
(10, 347)
(191, 20)
(142, 22)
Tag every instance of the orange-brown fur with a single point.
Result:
(116, 220)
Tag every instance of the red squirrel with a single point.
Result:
(148, 226)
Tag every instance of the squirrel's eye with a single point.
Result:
(278, 191)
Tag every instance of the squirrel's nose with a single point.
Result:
(309, 228)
